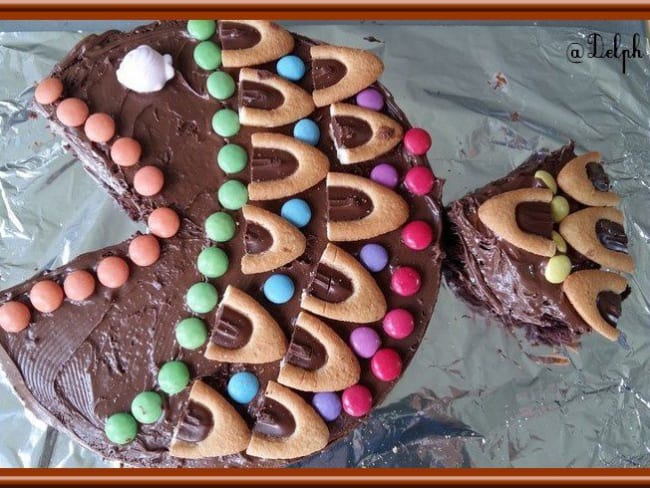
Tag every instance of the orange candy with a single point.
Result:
(14, 316)
(144, 250)
(148, 181)
(126, 151)
(46, 296)
(112, 272)
(99, 127)
(72, 112)
(79, 285)
(48, 91)
(164, 222)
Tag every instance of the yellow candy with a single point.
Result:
(559, 208)
(560, 243)
(557, 269)
(546, 178)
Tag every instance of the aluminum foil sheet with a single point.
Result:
(475, 395)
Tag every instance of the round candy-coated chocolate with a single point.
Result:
(291, 67)
(365, 341)
(559, 208)
(99, 127)
(173, 377)
(212, 262)
(144, 250)
(232, 158)
(201, 30)
(207, 55)
(126, 151)
(121, 428)
(191, 333)
(405, 281)
(296, 211)
(72, 112)
(225, 122)
(398, 323)
(79, 285)
(279, 289)
(164, 222)
(148, 181)
(417, 235)
(112, 272)
(307, 131)
(374, 257)
(202, 297)
(232, 195)
(46, 296)
(419, 180)
(357, 401)
(14, 316)
(327, 404)
(146, 407)
(220, 85)
(386, 365)
(48, 91)
(243, 386)
(417, 141)
(220, 227)
(370, 98)
(385, 174)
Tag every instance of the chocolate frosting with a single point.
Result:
(196, 424)
(330, 285)
(612, 235)
(351, 132)
(274, 420)
(345, 204)
(86, 361)
(535, 218)
(272, 164)
(257, 239)
(259, 95)
(609, 306)
(597, 176)
(234, 35)
(305, 351)
(232, 329)
(327, 72)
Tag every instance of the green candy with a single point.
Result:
(173, 377)
(207, 55)
(212, 262)
(121, 428)
(146, 407)
(201, 29)
(232, 195)
(557, 269)
(201, 297)
(220, 85)
(559, 208)
(225, 122)
(220, 227)
(191, 333)
(232, 158)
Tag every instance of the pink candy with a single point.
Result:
(405, 281)
(419, 180)
(398, 323)
(357, 400)
(386, 365)
(417, 235)
(417, 141)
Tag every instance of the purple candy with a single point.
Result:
(374, 257)
(385, 174)
(370, 98)
(365, 341)
(328, 405)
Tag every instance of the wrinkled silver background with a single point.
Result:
(474, 395)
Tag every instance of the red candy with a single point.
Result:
(79, 285)
(356, 401)
(48, 91)
(386, 365)
(14, 316)
(417, 235)
(72, 112)
(417, 141)
(405, 281)
(112, 272)
(419, 180)
(46, 296)
(398, 323)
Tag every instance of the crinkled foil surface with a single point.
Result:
(474, 395)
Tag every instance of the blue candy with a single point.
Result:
(279, 289)
(243, 386)
(296, 211)
(307, 131)
(291, 67)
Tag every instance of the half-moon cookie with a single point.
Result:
(263, 314)
(528, 248)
